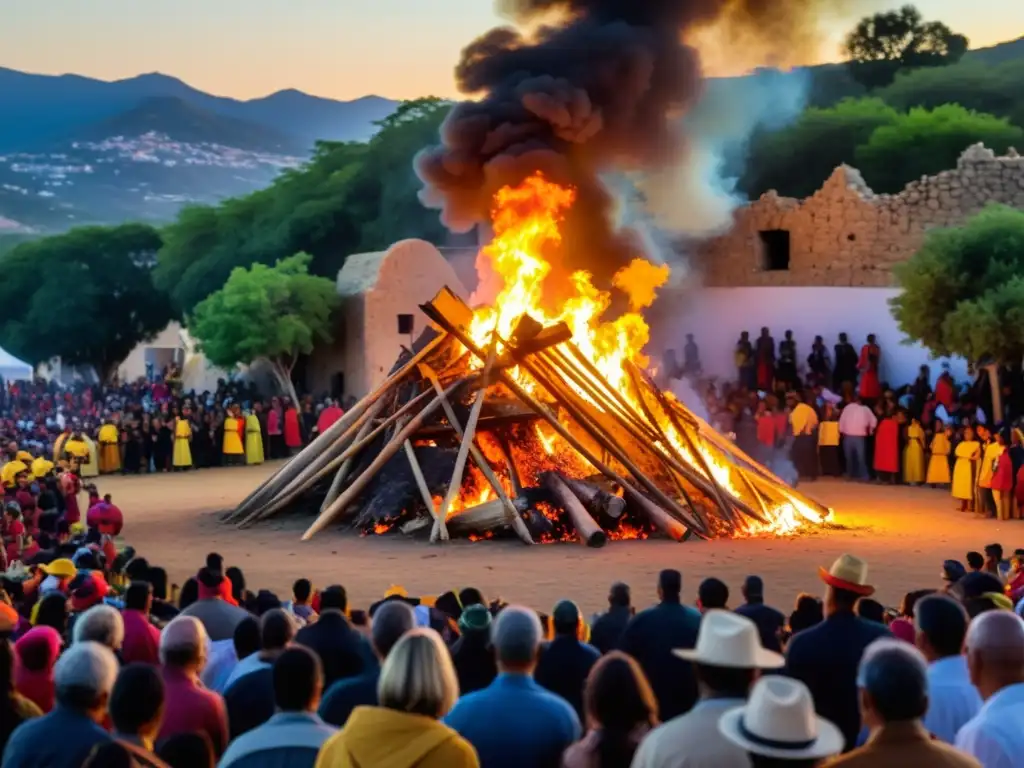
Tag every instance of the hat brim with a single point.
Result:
(864, 590)
(763, 659)
(830, 740)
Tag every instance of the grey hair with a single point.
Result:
(101, 624)
(418, 676)
(895, 674)
(390, 623)
(516, 635)
(998, 637)
(84, 673)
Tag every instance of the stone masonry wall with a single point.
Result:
(846, 235)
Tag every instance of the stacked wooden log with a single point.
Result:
(457, 419)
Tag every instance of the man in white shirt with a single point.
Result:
(941, 624)
(856, 422)
(725, 661)
(995, 658)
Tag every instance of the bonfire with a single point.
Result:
(531, 417)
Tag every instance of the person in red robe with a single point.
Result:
(328, 416)
(870, 355)
(766, 432)
(944, 391)
(292, 435)
(765, 354)
(887, 448)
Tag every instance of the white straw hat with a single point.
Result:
(727, 639)
(779, 721)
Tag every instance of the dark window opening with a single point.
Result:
(851, 237)
(775, 244)
(338, 385)
(405, 324)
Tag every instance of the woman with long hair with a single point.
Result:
(620, 709)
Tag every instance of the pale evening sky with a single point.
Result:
(335, 48)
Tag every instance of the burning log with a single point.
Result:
(658, 517)
(590, 533)
(489, 516)
(602, 505)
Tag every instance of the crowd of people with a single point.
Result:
(836, 417)
(152, 425)
(104, 664)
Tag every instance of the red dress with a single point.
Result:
(292, 437)
(887, 446)
(328, 416)
(870, 387)
(1002, 476)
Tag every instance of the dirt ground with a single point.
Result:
(903, 533)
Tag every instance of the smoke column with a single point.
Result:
(594, 87)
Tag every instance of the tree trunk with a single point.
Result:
(997, 393)
(284, 380)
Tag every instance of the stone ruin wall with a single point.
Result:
(846, 235)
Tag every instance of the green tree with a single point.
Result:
(86, 296)
(796, 160)
(925, 142)
(963, 292)
(266, 313)
(886, 43)
(997, 90)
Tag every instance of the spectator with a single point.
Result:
(975, 561)
(941, 625)
(246, 642)
(391, 622)
(777, 727)
(769, 621)
(342, 650)
(292, 737)
(712, 594)
(250, 697)
(100, 624)
(137, 710)
(219, 617)
(189, 706)
(109, 754)
(187, 750)
(995, 658)
(606, 630)
(302, 593)
(38, 651)
(808, 612)
(15, 708)
(52, 611)
(565, 662)
(514, 722)
(471, 596)
(472, 653)
(621, 710)
(726, 660)
(84, 677)
(417, 687)
(994, 561)
(856, 423)
(893, 682)
(871, 610)
(141, 638)
(825, 657)
(653, 634)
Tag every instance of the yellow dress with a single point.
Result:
(232, 442)
(964, 471)
(828, 434)
(938, 462)
(182, 450)
(989, 456)
(913, 454)
(110, 452)
(92, 467)
(253, 440)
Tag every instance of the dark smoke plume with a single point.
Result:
(595, 86)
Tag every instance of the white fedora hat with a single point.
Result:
(779, 721)
(727, 639)
(849, 573)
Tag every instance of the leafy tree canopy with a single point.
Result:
(883, 44)
(272, 313)
(86, 296)
(924, 142)
(963, 291)
(348, 198)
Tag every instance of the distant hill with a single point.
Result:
(998, 54)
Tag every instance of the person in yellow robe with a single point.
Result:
(253, 439)
(829, 456)
(232, 445)
(182, 454)
(938, 462)
(965, 471)
(913, 454)
(91, 468)
(10, 471)
(77, 451)
(110, 452)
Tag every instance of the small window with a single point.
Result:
(775, 245)
(405, 324)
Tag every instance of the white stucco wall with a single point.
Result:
(716, 316)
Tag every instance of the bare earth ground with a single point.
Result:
(903, 533)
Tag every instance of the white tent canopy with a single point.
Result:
(13, 369)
